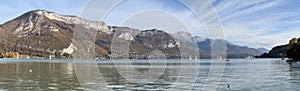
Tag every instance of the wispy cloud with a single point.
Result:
(258, 23)
(231, 8)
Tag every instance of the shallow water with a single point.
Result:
(239, 74)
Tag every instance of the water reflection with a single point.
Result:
(256, 74)
(117, 82)
(44, 76)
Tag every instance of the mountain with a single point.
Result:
(198, 39)
(183, 36)
(290, 50)
(275, 52)
(204, 45)
(2, 35)
(263, 50)
(233, 51)
(150, 40)
(42, 33)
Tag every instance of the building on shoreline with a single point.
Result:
(9, 55)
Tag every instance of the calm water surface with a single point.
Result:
(240, 74)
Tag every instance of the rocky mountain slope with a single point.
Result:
(42, 33)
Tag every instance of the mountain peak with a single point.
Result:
(39, 11)
(51, 15)
(43, 12)
(97, 25)
(55, 16)
(30, 21)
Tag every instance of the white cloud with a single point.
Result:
(251, 10)
(258, 23)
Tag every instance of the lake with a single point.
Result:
(239, 74)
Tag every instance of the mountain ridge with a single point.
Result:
(44, 33)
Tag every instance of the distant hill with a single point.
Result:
(263, 50)
(290, 50)
(233, 51)
(276, 52)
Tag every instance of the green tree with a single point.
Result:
(293, 51)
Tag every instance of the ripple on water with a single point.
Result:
(53, 88)
(240, 74)
(116, 86)
(4, 83)
(90, 83)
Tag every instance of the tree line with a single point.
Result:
(293, 51)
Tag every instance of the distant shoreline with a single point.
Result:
(141, 59)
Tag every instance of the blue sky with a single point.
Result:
(254, 23)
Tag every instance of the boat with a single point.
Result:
(220, 58)
(296, 65)
(249, 57)
(50, 57)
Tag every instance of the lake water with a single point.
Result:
(239, 74)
